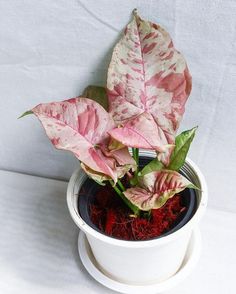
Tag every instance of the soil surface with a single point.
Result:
(110, 215)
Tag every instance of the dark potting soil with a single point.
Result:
(110, 215)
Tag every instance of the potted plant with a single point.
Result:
(137, 206)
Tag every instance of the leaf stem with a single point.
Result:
(135, 152)
(134, 208)
(121, 185)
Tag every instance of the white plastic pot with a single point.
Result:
(139, 262)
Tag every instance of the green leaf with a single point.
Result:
(97, 94)
(182, 144)
(154, 165)
(178, 156)
(133, 181)
(192, 186)
(26, 113)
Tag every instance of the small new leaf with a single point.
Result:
(182, 144)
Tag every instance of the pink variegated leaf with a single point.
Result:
(101, 177)
(148, 85)
(156, 188)
(140, 131)
(81, 126)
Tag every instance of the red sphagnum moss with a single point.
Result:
(112, 217)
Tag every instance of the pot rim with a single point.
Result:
(78, 177)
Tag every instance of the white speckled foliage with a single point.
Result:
(156, 188)
(80, 125)
(148, 84)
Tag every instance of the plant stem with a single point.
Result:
(149, 214)
(136, 158)
(134, 208)
(121, 185)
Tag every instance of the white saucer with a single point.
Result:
(190, 260)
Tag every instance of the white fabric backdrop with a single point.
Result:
(51, 50)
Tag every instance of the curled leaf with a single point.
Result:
(156, 188)
(115, 145)
(148, 85)
(96, 176)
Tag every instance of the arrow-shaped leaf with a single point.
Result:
(148, 85)
(156, 188)
(81, 126)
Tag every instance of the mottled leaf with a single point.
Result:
(140, 132)
(156, 188)
(182, 144)
(148, 85)
(98, 94)
(80, 125)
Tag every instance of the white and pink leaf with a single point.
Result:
(156, 188)
(148, 85)
(81, 126)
